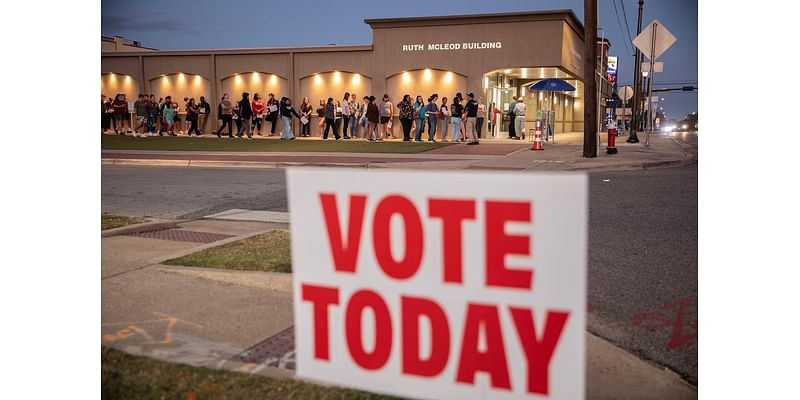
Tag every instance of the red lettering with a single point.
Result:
(499, 244)
(381, 237)
(452, 213)
(321, 297)
(383, 329)
(412, 309)
(344, 255)
(538, 353)
(493, 360)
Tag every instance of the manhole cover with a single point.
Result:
(182, 235)
(275, 351)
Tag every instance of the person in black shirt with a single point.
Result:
(456, 112)
(472, 116)
(245, 113)
(205, 110)
(286, 110)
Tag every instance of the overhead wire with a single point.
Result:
(621, 31)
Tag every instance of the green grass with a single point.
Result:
(124, 376)
(110, 221)
(109, 142)
(266, 252)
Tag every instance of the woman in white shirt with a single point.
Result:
(345, 114)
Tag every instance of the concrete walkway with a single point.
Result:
(210, 318)
(492, 154)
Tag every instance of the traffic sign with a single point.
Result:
(625, 93)
(657, 67)
(471, 290)
(663, 40)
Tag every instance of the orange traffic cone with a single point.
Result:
(537, 141)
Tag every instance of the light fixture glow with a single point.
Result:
(127, 79)
(524, 72)
(197, 79)
(256, 77)
(238, 79)
(541, 96)
(181, 77)
(273, 79)
(337, 77)
(427, 75)
(448, 77)
(485, 82)
(317, 80)
(522, 91)
(164, 80)
(406, 77)
(508, 71)
(356, 79)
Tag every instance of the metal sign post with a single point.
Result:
(653, 42)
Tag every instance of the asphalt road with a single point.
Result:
(642, 251)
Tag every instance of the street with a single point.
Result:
(642, 243)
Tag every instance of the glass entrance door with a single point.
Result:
(501, 97)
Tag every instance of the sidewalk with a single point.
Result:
(492, 154)
(242, 321)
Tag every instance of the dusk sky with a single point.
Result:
(181, 24)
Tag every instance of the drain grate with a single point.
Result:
(277, 351)
(179, 235)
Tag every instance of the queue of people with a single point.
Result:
(462, 119)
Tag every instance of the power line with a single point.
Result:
(621, 31)
(624, 14)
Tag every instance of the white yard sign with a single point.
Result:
(441, 285)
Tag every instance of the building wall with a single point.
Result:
(111, 84)
(181, 85)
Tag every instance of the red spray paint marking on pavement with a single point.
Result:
(680, 336)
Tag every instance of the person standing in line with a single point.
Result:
(355, 115)
(456, 113)
(345, 114)
(286, 111)
(258, 113)
(419, 116)
(305, 111)
(272, 110)
(431, 110)
(204, 110)
(161, 126)
(184, 112)
(373, 118)
(444, 116)
(481, 116)
(406, 116)
(226, 114)
(177, 118)
(169, 115)
(519, 121)
(363, 122)
(493, 120)
(471, 110)
(463, 135)
(512, 128)
(120, 106)
(140, 106)
(192, 111)
(337, 116)
(152, 115)
(321, 115)
(386, 112)
(245, 113)
(104, 116)
(330, 123)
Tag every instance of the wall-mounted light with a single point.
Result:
(127, 79)
(427, 74)
(197, 80)
(273, 79)
(164, 80)
(317, 79)
(448, 77)
(238, 79)
(356, 79)
(337, 77)
(406, 77)
(256, 78)
(181, 77)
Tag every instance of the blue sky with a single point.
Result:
(181, 24)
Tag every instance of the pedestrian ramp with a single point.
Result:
(238, 214)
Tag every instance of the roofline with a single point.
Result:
(450, 19)
(241, 51)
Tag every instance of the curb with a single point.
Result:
(228, 164)
(143, 227)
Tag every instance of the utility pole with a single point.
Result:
(590, 78)
(637, 76)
